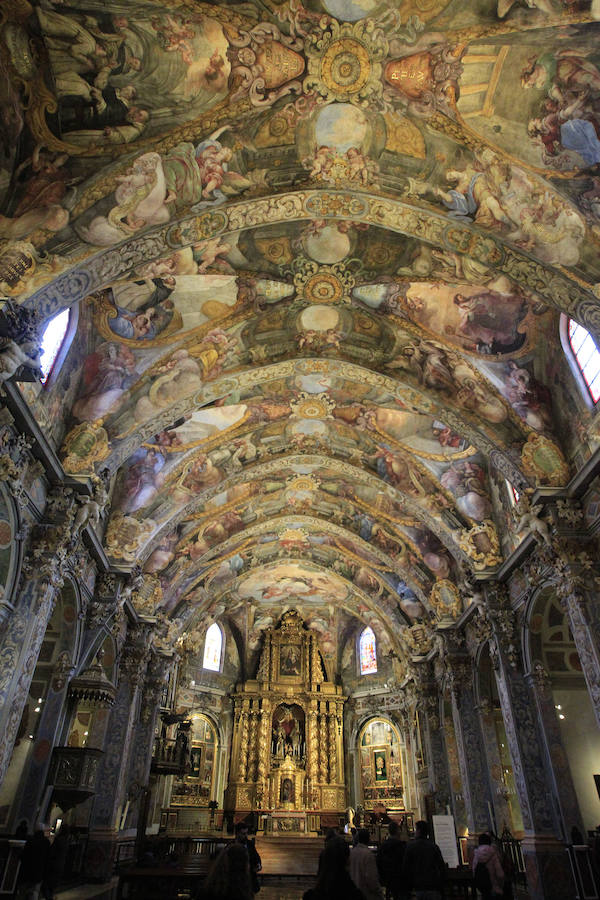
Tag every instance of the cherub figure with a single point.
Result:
(91, 510)
(13, 356)
(531, 522)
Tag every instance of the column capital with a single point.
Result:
(539, 679)
(135, 654)
(503, 624)
(460, 674)
(17, 466)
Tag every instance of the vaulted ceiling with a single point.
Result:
(320, 256)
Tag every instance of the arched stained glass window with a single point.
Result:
(367, 651)
(52, 341)
(212, 648)
(587, 356)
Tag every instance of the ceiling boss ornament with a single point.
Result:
(323, 284)
(312, 406)
(345, 62)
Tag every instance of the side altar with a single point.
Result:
(287, 752)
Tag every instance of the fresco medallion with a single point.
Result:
(323, 288)
(345, 68)
(312, 408)
(344, 61)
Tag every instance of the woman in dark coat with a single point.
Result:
(333, 880)
(229, 878)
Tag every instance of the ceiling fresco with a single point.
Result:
(320, 256)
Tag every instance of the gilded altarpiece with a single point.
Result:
(287, 752)
(381, 765)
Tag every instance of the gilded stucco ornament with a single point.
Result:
(11, 475)
(570, 513)
(266, 64)
(345, 62)
(167, 633)
(417, 638)
(541, 459)
(18, 267)
(147, 596)
(84, 446)
(125, 536)
(480, 544)
(312, 406)
(445, 600)
(303, 483)
(321, 284)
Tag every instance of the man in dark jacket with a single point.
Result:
(424, 869)
(390, 861)
(33, 865)
(241, 833)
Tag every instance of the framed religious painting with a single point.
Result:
(380, 765)
(290, 660)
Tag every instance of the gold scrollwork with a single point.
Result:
(445, 600)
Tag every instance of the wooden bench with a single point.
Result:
(174, 881)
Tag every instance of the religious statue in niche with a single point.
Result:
(289, 660)
(287, 791)
(287, 736)
(195, 758)
(380, 762)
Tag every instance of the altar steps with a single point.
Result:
(289, 855)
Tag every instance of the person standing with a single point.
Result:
(333, 880)
(33, 865)
(254, 860)
(57, 861)
(424, 869)
(487, 855)
(390, 861)
(229, 878)
(363, 868)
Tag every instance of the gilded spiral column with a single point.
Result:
(263, 742)
(242, 765)
(252, 765)
(332, 749)
(322, 748)
(313, 747)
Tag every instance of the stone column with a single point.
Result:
(42, 578)
(471, 754)
(35, 773)
(110, 796)
(500, 805)
(438, 774)
(548, 871)
(557, 763)
(581, 603)
(143, 741)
